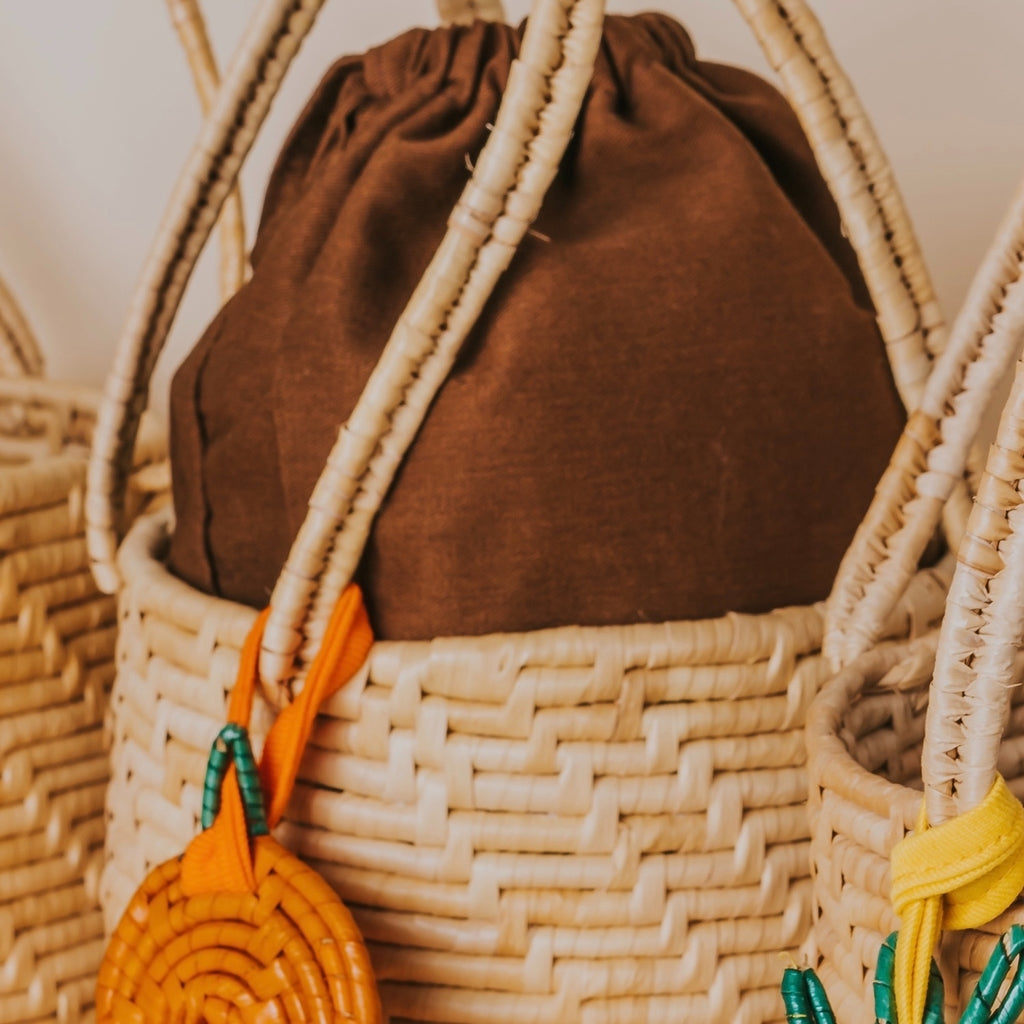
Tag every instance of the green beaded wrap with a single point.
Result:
(807, 1003)
(232, 746)
(885, 997)
(804, 998)
(983, 1009)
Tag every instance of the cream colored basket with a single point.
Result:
(868, 745)
(600, 825)
(56, 669)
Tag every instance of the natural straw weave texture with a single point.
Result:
(866, 731)
(56, 669)
(582, 824)
(598, 825)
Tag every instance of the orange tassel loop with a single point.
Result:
(239, 929)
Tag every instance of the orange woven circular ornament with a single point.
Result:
(289, 951)
(238, 928)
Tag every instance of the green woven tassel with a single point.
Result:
(807, 1003)
(805, 998)
(232, 745)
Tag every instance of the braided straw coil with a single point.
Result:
(597, 824)
(874, 735)
(286, 949)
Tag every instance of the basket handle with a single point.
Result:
(848, 154)
(930, 457)
(983, 627)
(188, 21)
(19, 350)
(462, 12)
(852, 162)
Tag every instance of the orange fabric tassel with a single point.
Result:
(220, 858)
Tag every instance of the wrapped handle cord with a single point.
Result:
(188, 21)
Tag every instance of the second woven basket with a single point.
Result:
(57, 635)
(870, 751)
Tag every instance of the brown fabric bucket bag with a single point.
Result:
(675, 404)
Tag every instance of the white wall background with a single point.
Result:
(97, 114)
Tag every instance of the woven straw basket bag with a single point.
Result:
(56, 669)
(945, 711)
(599, 824)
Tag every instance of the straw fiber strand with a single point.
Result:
(512, 173)
(864, 187)
(56, 669)
(981, 632)
(852, 162)
(576, 824)
(274, 35)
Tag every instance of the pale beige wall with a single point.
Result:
(97, 113)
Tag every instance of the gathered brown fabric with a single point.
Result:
(676, 403)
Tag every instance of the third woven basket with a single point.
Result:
(57, 635)
(871, 750)
(577, 824)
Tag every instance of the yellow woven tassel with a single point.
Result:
(961, 874)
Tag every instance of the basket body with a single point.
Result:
(594, 825)
(865, 737)
(56, 669)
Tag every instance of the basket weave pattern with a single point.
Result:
(587, 824)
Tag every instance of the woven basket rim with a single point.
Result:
(831, 765)
(141, 556)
